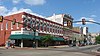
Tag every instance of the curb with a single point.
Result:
(96, 52)
(2, 47)
(88, 46)
(58, 46)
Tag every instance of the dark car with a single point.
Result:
(72, 45)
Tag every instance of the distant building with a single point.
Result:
(95, 34)
(77, 29)
(70, 33)
(84, 30)
(64, 19)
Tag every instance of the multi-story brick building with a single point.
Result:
(42, 26)
(26, 22)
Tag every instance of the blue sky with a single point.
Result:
(88, 9)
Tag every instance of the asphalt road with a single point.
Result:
(67, 51)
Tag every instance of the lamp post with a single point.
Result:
(34, 30)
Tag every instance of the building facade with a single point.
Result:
(63, 19)
(28, 24)
(85, 30)
(41, 25)
(71, 34)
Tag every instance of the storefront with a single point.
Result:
(24, 38)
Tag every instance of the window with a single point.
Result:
(11, 25)
(17, 25)
(1, 26)
(33, 18)
(23, 16)
(7, 26)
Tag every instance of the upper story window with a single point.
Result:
(17, 25)
(7, 26)
(2, 26)
(29, 17)
(11, 25)
(23, 16)
(33, 18)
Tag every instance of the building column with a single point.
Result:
(59, 43)
(72, 42)
(36, 43)
(21, 43)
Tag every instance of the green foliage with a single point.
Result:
(65, 29)
(47, 38)
(98, 39)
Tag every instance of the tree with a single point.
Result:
(46, 40)
(98, 39)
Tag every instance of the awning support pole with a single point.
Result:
(21, 43)
(36, 43)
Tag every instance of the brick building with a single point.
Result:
(42, 26)
(26, 22)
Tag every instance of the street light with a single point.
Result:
(83, 21)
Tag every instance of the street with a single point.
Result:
(65, 51)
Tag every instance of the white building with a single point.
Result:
(64, 19)
(84, 30)
(95, 34)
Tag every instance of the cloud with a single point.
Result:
(15, 1)
(87, 19)
(26, 10)
(93, 16)
(16, 10)
(3, 10)
(35, 2)
(30, 2)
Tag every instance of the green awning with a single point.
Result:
(58, 39)
(23, 36)
(37, 37)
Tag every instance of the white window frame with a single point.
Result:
(11, 25)
(17, 25)
(6, 25)
(2, 26)
(23, 16)
(33, 18)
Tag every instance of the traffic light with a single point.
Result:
(14, 21)
(69, 23)
(83, 21)
(1, 18)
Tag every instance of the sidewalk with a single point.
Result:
(61, 46)
(26, 48)
(88, 46)
(2, 46)
(41, 48)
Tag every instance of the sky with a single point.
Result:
(78, 9)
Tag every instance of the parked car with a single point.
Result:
(72, 45)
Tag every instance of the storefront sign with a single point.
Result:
(24, 32)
